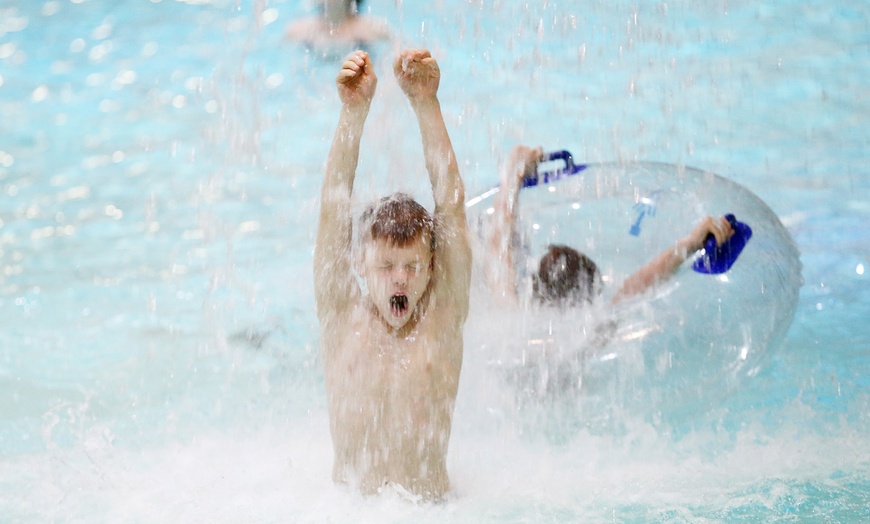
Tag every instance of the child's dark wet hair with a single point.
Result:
(355, 5)
(399, 220)
(566, 277)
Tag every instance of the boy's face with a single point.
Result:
(397, 277)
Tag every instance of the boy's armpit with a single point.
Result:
(334, 281)
(453, 253)
(335, 287)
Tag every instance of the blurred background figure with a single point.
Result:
(338, 28)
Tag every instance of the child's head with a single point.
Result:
(566, 277)
(397, 219)
(347, 5)
(397, 247)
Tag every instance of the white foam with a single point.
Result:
(282, 474)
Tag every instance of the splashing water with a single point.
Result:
(159, 175)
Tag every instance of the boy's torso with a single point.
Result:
(391, 398)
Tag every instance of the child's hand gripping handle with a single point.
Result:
(719, 259)
(545, 177)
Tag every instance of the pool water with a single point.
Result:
(160, 164)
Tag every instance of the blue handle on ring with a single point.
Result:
(545, 177)
(719, 259)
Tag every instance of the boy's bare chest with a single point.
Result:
(418, 342)
(363, 342)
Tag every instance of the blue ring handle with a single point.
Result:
(719, 259)
(545, 177)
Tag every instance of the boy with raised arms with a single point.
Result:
(392, 349)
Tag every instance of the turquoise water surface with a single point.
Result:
(160, 165)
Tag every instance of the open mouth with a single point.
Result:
(398, 305)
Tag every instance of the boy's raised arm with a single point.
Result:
(419, 76)
(333, 279)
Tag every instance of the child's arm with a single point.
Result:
(333, 279)
(418, 76)
(499, 264)
(668, 261)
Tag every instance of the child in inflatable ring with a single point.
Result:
(565, 277)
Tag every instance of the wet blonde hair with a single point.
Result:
(399, 220)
